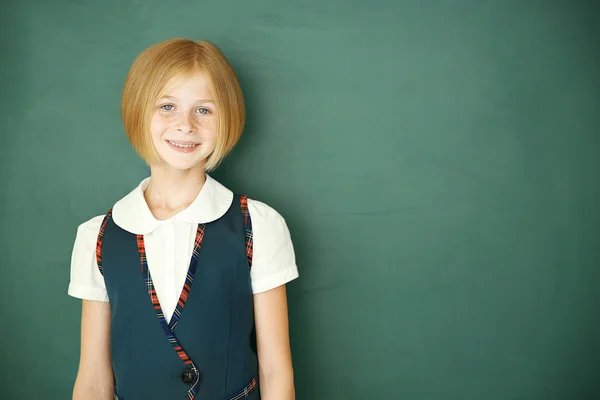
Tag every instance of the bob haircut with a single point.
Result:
(148, 77)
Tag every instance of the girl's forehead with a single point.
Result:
(188, 83)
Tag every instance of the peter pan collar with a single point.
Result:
(132, 213)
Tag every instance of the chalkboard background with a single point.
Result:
(436, 161)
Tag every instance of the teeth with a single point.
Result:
(185, 146)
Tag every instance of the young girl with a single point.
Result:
(183, 282)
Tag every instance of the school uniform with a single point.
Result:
(180, 291)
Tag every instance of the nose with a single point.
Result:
(185, 123)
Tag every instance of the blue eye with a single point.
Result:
(167, 107)
(203, 111)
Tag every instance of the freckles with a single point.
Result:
(167, 117)
(168, 120)
(206, 125)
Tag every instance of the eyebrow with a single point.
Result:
(199, 101)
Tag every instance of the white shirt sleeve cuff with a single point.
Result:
(87, 292)
(269, 282)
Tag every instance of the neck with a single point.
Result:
(171, 191)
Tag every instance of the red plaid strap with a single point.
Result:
(100, 238)
(248, 228)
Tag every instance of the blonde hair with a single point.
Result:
(148, 77)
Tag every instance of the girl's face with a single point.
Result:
(184, 122)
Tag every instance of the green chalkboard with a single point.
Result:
(436, 161)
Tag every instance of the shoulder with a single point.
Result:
(87, 235)
(262, 210)
(266, 219)
(90, 228)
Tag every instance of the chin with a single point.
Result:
(179, 166)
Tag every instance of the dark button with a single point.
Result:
(188, 376)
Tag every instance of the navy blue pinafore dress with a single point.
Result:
(208, 349)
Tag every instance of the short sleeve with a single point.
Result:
(86, 280)
(273, 260)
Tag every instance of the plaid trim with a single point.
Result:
(168, 328)
(100, 239)
(244, 393)
(189, 277)
(248, 229)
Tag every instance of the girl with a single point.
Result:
(182, 282)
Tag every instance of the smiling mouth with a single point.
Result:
(183, 145)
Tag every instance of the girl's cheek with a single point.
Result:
(156, 123)
(169, 118)
(207, 124)
(161, 120)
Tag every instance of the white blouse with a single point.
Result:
(169, 244)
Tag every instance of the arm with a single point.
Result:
(95, 379)
(276, 374)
